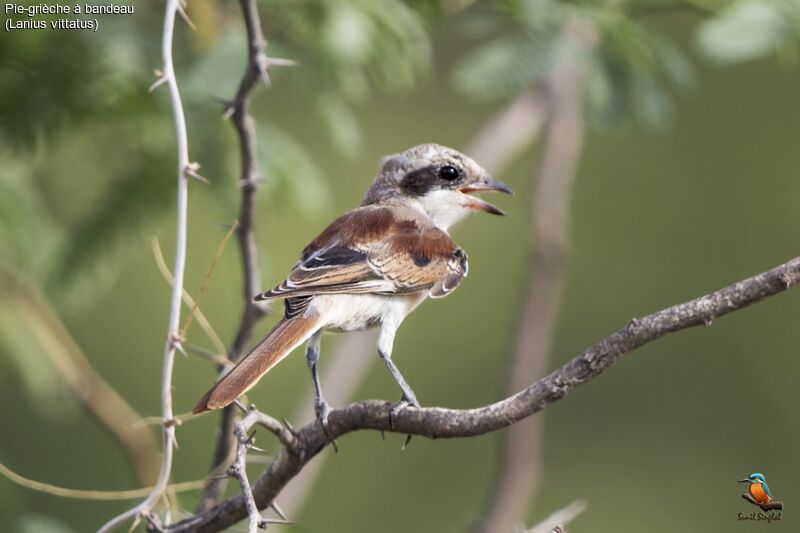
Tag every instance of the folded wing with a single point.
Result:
(375, 250)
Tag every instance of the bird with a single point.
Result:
(371, 267)
(758, 488)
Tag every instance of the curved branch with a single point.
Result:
(245, 127)
(172, 341)
(438, 422)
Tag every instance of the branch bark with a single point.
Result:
(245, 126)
(172, 341)
(438, 422)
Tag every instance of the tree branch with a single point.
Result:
(245, 126)
(438, 422)
(172, 341)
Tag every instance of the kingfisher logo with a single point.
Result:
(758, 494)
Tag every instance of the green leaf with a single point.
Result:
(504, 66)
(747, 29)
(288, 167)
(131, 202)
(341, 123)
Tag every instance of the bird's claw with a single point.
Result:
(405, 401)
(322, 410)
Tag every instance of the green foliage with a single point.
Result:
(750, 29)
(343, 45)
(55, 91)
(141, 192)
(290, 171)
(26, 230)
(634, 66)
(629, 70)
(505, 66)
(343, 48)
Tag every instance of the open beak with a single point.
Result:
(745, 480)
(486, 183)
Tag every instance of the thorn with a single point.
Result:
(407, 441)
(241, 406)
(185, 17)
(136, 521)
(158, 83)
(219, 476)
(191, 171)
(278, 510)
(258, 450)
(229, 106)
(281, 62)
(383, 436)
(266, 521)
(176, 342)
(262, 64)
(335, 446)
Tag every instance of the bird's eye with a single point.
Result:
(448, 173)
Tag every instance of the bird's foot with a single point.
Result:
(408, 400)
(322, 410)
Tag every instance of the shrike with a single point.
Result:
(371, 267)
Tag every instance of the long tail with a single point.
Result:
(287, 335)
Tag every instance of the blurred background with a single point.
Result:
(659, 140)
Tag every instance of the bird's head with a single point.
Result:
(437, 179)
(754, 478)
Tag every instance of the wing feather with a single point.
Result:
(375, 250)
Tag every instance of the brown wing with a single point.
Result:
(375, 250)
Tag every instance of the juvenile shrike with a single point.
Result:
(371, 267)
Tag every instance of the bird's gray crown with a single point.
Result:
(416, 171)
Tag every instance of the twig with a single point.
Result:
(559, 518)
(238, 469)
(168, 430)
(187, 322)
(438, 422)
(100, 495)
(187, 298)
(245, 127)
(562, 93)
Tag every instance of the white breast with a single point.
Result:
(353, 312)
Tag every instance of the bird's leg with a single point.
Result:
(321, 407)
(408, 398)
(385, 343)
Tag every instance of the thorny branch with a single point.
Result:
(438, 422)
(185, 168)
(238, 110)
(238, 469)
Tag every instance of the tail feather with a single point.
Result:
(279, 342)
